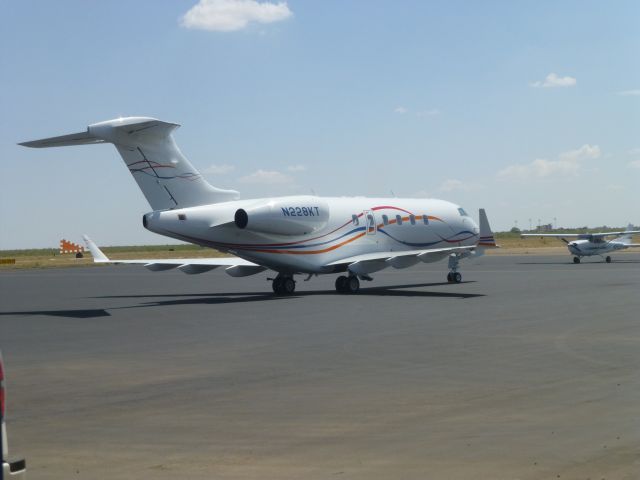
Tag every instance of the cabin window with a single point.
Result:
(412, 219)
(425, 219)
(398, 219)
(183, 216)
(354, 219)
(385, 219)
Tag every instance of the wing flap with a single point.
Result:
(191, 269)
(399, 258)
(244, 270)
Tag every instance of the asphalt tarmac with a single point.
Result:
(529, 369)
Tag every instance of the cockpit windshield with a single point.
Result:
(462, 212)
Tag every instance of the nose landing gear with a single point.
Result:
(576, 259)
(454, 276)
(608, 259)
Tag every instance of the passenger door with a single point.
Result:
(370, 222)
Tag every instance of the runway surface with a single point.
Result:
(529, 369)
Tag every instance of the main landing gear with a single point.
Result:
(349, 284)
(576, 259)
(283, 285)
(454, 276)
(608, 259)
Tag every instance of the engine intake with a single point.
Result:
(241, 218)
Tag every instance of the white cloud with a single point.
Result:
(267, 177)
(629, 93)
(585, 152)
(231, 15)
(219, 169)
(635, 164)
(615, 188)
(567, 164)
(296, 168)
(553, 80)
(401, 110)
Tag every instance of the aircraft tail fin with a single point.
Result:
(487, 239)
(167, 179)
(627, 237)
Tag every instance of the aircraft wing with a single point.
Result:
(578, 235)
(236, 266)
(555, 235)
(372, 262)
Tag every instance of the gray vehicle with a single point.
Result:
(11, 470)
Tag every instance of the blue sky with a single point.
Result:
(531, 110)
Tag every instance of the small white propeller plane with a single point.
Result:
(589, 244)
(289, 235)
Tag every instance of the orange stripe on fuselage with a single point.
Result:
(311, 252)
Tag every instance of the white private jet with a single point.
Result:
(289, 235)
(589, 244)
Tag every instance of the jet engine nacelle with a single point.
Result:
(293, 216)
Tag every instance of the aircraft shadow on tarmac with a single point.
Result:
(243, 297)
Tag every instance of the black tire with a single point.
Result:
(352, 285)
(608, 259)
(276, 285)
(457, 277)
(576, 259)
(341, 284)
(288, 286)
(449, 277)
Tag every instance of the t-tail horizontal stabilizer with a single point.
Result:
(167, 179)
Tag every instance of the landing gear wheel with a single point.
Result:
(352, 285)
(277, 285)
(341, 284)
(454, 277)
(576, 259)
(608, 259)
(288, 286)
(283, 285)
